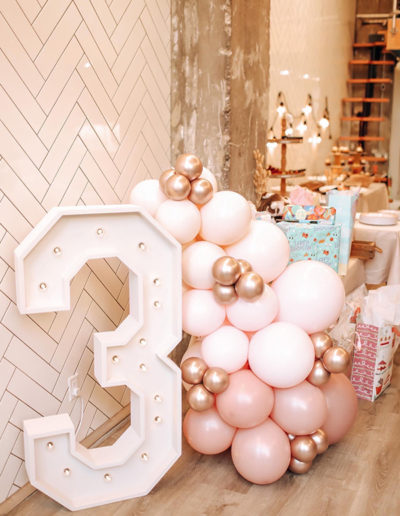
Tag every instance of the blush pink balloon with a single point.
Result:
(207, 174)
(226, 347)
(299, 410)
(281, 354)
(181, 218)
(225, 218)
(201, 314)
(246, 402)
(261, 454)
(310, 294)
(197, 262)
(251, 316)
(147, 194)
(206, 432)
(265, 247)
(194, 350)
(341, 400)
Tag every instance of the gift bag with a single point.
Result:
(313, 242)
(344, 201)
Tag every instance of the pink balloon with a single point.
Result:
(181, 218)
(207, 174)
(261, 454)
(253, 315)
(197, 262)
(147, 194)
(206, 432)
(193, 350)
(201, 314)
(310, 294)
(226, 347)
(281, 354)
(247, 401)
(265, 247)
(341, 400)
(225, 218)
(299, 410)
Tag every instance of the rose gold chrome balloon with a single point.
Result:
(321, 440)
(318, 375)
(164, 178)
(193, 370)
(250, 286)
(322, 342)
(199, 398)
(224, 294)
(296, 466)
(201, 192)
(303, 448)
(244, 266)
(177, 187)
(336, 359)
(226, 270)
(216, 380)
(189, 165)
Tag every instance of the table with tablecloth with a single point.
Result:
(373, 198)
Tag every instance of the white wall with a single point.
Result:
(311, 41)
(84, 115)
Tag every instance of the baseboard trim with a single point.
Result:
(97, 436)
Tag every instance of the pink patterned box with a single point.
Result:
(373, 359)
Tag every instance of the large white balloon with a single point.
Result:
(282, 354)
(197, 262)
(147, 194)
(181, 218)
(225, 219)
(310, 294)
(254, 315)
(265, 247)
(227, 348)
(201, 314)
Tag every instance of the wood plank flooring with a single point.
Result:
(357, 477)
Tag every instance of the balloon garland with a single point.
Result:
(263, 376)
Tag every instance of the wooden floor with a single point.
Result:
(359, 476)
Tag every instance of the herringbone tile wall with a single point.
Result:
(84, 115)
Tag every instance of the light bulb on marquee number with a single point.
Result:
(147, 449)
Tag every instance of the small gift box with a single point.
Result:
(313, 242)
(311, 213)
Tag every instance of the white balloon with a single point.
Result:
(147, 194)
(207, 174)
(227, 348)
(254, 315)
(201, 314)
(181, 218)
(197, 262)
(225, 219)
(265, 247)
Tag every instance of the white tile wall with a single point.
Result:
(84, 115)
(310, 46)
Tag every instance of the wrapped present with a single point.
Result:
(313, 242)
(311, 213)
(344, 201)
(374, 351)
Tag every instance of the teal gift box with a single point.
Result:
(345, 203)
(307, 241)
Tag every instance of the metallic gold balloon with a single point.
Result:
(336, 359)
(193, 369)
(201, 192)
(322, 342)
(303, 448)
(177, 187)
(216, 380)
(250, 286)
(296, 466)
(224, 294)
(244, 266)
(189, 165)
(164, 178)
(199, 398)
(321, 440)
(226, 270)
(318, 375)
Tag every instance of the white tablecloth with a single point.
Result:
(385, 267)
(355, 275)
(373, 198)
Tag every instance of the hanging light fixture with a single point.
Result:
(308, 107)
(324, 121)
(281, 108)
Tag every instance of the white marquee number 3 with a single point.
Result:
(135, 354)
